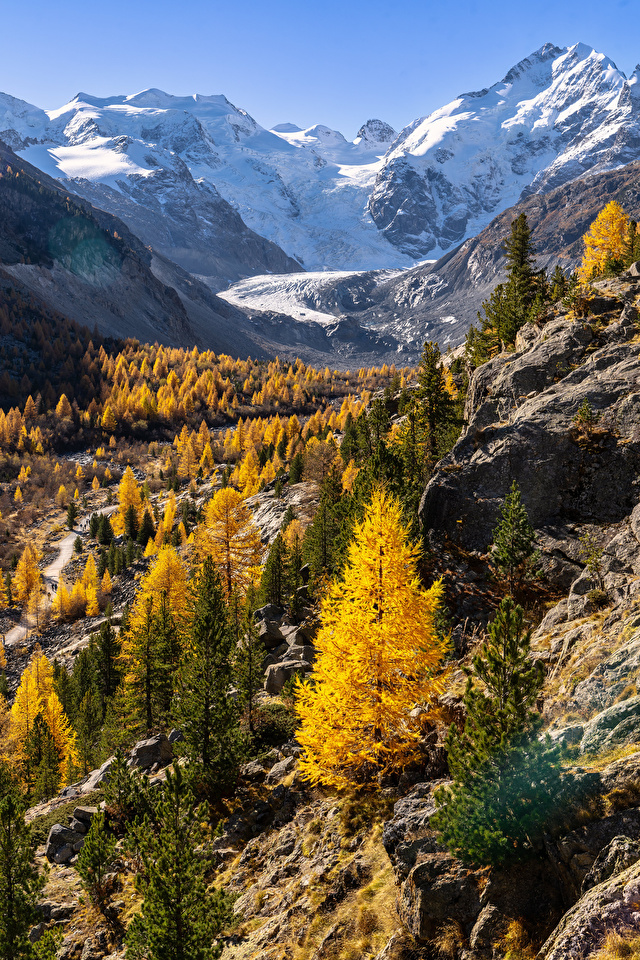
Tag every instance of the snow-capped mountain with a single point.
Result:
(201, 182)
(168, 166)
(171, 167)
(555, 116)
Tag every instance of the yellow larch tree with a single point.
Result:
(229, 536)
(63, 735)
(168, 575)
(61, 603)
(604, 241)
(129, 495)
(106, 584)
(379, 656)
(93, 606)
(27, 577)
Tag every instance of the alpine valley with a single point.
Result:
(328, 248)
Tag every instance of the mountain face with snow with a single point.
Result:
(555, 116)
(202, 182)
(203, 185)
(198, 179)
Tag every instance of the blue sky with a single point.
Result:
(337, 62)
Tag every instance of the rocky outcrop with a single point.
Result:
(153, 753)
(521, 413)
(609, 906)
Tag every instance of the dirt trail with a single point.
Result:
(51, 573)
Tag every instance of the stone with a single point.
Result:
(98, 777)
(280, 770)
(615, 726)
(439, 888)
(85, 815)
(612, 860)
(146, 753)
(62, 844)
(277, 674)
(253, 772)
(612, 905)
(408, 834)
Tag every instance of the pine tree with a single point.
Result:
(273, 584)
(204, 708)
(512, 303)
(72, 514)
(507, 783)
(248, 673)
(435, 409)
(379, 656)
(147, 530)
(180, 916)
(513, 553)
(96, 856)
(20, 883)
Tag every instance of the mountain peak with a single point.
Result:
(376, 131)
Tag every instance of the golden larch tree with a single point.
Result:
(229, 536)
(27, 577)
(129, 495)
(379, 656)
(604, 241)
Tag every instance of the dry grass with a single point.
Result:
(516, 943)
(449, 940)
(619, 946)
(598, 761)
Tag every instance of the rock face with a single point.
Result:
(436, 890)
(63, 843)
(446, 173)
(156, 751)
(521, 413)
(612, 905)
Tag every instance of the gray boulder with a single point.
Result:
(148, 753)
(97, 777)
(63, 844)
(615, 726)
(278, 673)
(617, 856)
(610, 906)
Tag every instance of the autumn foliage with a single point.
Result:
(379, 656)
(604, 242)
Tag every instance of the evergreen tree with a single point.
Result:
(248, 672)
(20, 884)
(513, 553)
(506, 782)
(147, 529)
(88, 724)
(512, 303)
(94, 523)
(435, 409)
(152, 653)
(131, 523)
(273, 584)
(204, 708)
(106, 646)
(72, 514)
(105, 530)
(96, 856)
(180, 916)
